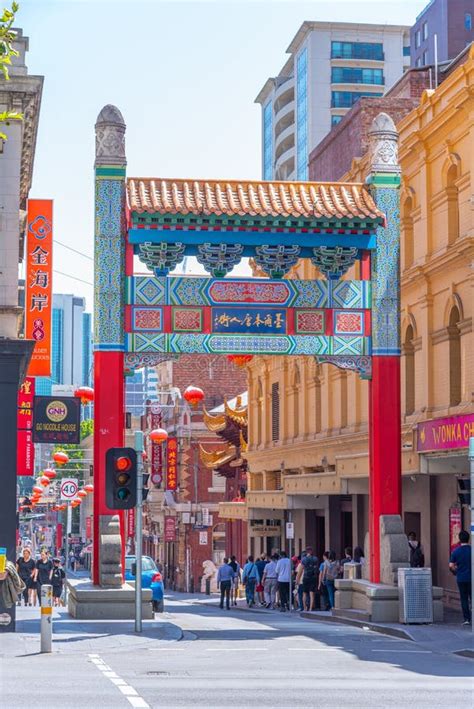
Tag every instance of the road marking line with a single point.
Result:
(129, 692)
(425, 652)
(316, 649)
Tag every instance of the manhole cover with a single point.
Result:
(157, 673)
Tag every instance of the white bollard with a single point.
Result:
(46, 618)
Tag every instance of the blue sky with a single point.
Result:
(184, 75)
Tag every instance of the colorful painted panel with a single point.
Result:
(249, 320)
(348, 322)
(251, 291)
(147, 319)
(310, 322)
(187, 320)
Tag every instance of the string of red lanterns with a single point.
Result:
(193, 395)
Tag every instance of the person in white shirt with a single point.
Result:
(283, 571)
(270, 582)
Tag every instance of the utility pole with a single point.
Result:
(66, 545)
(138, 532)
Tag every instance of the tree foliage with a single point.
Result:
(7, 51)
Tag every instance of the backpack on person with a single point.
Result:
(310, 568)
(332, 570)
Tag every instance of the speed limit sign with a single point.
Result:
(69, 488)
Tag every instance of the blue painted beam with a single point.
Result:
(249, 239)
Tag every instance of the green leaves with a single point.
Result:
(7, 37)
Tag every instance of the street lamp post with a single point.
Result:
(138, 533)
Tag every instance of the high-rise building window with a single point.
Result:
(346, 99)
(425, 30)
(468, 21)
(406, 51)
(275, 411)
(302, 115)
(267, 142)
(357, 50)
(353, 75)
(425, 57)
(336, 119)
(417, 39)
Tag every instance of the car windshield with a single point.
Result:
(147, 563)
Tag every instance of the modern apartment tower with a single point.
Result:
(331, 65)
(451, 22)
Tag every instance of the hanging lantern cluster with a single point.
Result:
(193, 395)
(85, 394)
(240, 360)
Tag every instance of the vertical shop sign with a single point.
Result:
(88, 527)
(131, 523)
(455, 526)
(38, 284)
(170, 529)
(25, 447)
(156, 450)
(172, 464)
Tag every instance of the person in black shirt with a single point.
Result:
(57, 580)
(44, 570)
(26, 568)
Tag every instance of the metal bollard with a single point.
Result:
(46, 618)
(208, 587)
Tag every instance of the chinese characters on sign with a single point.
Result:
(156, 451)
(38, 283)
(172, 464)
(170, 529)
(25, 446)
(251, 320)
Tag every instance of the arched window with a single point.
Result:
(296, 402)
(409, 352)
(407, 235)
(454, 358)
(452, 194)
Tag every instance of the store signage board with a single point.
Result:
(446, 433)
(56, 419)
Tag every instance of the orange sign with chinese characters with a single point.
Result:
(38, 284)
(172, 464)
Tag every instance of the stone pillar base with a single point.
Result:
(88, 602)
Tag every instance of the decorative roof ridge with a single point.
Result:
(214, 422)
(218, 456)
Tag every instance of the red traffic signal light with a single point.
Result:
(121, 478)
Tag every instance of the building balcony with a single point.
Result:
(313, 484)
(233, 510)
(284, 141)
(284, 117)
(264, 499)
(285, 164)
(283, 95)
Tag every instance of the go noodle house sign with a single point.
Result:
(56, 420)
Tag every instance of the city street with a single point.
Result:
(238, 658)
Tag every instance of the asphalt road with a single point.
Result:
(238, 659)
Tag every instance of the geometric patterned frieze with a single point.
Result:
(187, 320)
(147, 319)
(334, 261)
(347, 322)
(309, 322)
(345, 345)
(198, 291)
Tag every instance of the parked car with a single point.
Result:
(151, 578)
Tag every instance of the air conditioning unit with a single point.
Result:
(415, 595)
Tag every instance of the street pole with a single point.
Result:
(471, 462)
(46, 643)
(291, 563)
(138, 533)
(66, 546)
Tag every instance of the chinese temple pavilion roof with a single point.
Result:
(217, 457)
(218, 422)
(256, 198)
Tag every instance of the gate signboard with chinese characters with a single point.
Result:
(38, 284)
(348, 315)
(56, 420)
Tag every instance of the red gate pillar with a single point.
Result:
(384, 390)
(109, 285)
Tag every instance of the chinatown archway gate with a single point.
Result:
(353, 324)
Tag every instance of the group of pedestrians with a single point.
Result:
(35, 574)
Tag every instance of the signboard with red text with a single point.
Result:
(25, 446)
(172, 464)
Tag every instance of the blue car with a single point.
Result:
(151, 578)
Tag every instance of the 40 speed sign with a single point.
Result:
(69, 488)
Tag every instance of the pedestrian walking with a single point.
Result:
(234, 590)
(330, 572)
(43, 572)
(417, 558)
(260, 564)
(225, 577)
(460, 565)
(57, 580)
(299, 584)
(270, 582)
(26, 571)
(310, 575)
(283, 570)
(250, 578)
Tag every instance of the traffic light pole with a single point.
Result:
(138, 532)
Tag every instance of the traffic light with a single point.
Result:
(121, 478)
(464, 491)
(145, 489)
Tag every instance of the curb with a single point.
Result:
(465, 653)
(365, 625)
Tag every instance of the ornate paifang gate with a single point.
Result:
(353, 324)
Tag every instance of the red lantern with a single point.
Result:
(37, 490)
(89, 487)
(49, 473)
(85, 394)
(44, 481)
(61, 458)
(82, 493)
(159, 435)
(193, 395)
(240, 360)
(76, 503)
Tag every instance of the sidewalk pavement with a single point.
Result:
(446, 638)
(72, 636)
